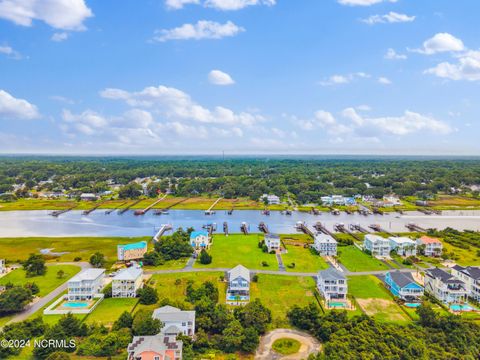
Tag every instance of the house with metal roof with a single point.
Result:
(175, 321)
(332, 284)
(378, 246)
(470, 275)
(127, 282)
(156, 347)
(86, 284)
(325, 245)
(403, 286)
(200, 239)
(403, 246)
(432, 246)
(272, 241)
(445, 287)
(238, 284)
(133, 251)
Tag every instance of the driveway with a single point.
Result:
(309, 345)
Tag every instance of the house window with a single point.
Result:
(156, 358)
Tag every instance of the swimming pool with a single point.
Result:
(237, 298)
(412, 305)
(75, 304)
(337, 304)
(462, 307)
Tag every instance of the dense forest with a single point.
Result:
(303, 179)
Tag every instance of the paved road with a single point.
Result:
(271, 272)
(33, 308)
(309, 345)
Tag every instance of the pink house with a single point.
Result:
(157, 347)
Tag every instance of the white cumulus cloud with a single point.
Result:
(441, 42)
(13, 108)
(466, 68)
(10, 52)
(203, 29)
(384, 81)
(59, 37)
(391, 17)
(236, 4)
(218, 77)
(363, 2)
(179, 4)
(59, 14)
(391, 54)
(343, 79)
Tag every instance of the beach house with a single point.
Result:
(85, 285)
(378, 246)
(325, 245)
(470, 275)
(156, 347)
(238, 284)
(403, 246)
(332, 284)
(175, 321)
(431, 246)
(272, 241)
(403, 286)
(127, 282)
(445, 287)
(132, 251)
(200, 240)
(270, 199)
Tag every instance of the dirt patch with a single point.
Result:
(374, 307)
(309, 345)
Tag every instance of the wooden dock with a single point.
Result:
(109, 211)
(302, 226)
(126, 208)
(415, 228)
(163, 229)
(57, 213)
(378, 228)
(263, 228)
(225, 228)
(210, 211)
(147, 209)
(343, 229)
(244, 228)
(89, 211)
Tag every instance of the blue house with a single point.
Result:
(403, 286)
(200, 240)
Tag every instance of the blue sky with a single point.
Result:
(240, 76)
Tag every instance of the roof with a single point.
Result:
(444, 276)
(429, 240)
(172, 314)
(401, 279)
(331, 274)
(134, 246)
(195, 234)
(271, 236)
(156, 343)
(472, 271)
(374, 238)
(401, 240)
(131, 273)
(88, 274)
(325, 239)
(239, 271)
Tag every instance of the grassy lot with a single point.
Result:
(46, 283)
(230, 251)
(375, 300)
(109, 310)
(169, 264)
(304, 259)
(279, 293)
(356, 260)
(466, 257)
(447, 202)
(14, 249)
(173, 286)
(286, 346)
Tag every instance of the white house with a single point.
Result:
(338, 200)
(86, 284)
(403, 246)
(272, 241)
(325, 245)
(200, 239)
(3, 268)
(126, 283)
(433, 246)
(332, 284)
(88, 197)
(175, 321)
(238, 284)
(377, 245)
(271, 199)
(391, 200)
(471, 277)
(445, 287)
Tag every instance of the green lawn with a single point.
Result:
(14, 249)
(356, 260)
(279, 293)
(375, 300)
(230, 251)
(169, 264)
(109, 310)
(304, 259)
(46, 283)
(286, 346)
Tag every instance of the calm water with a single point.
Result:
(74, 223)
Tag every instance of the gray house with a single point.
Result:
(238, 284)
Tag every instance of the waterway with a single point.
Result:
(40, 223)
